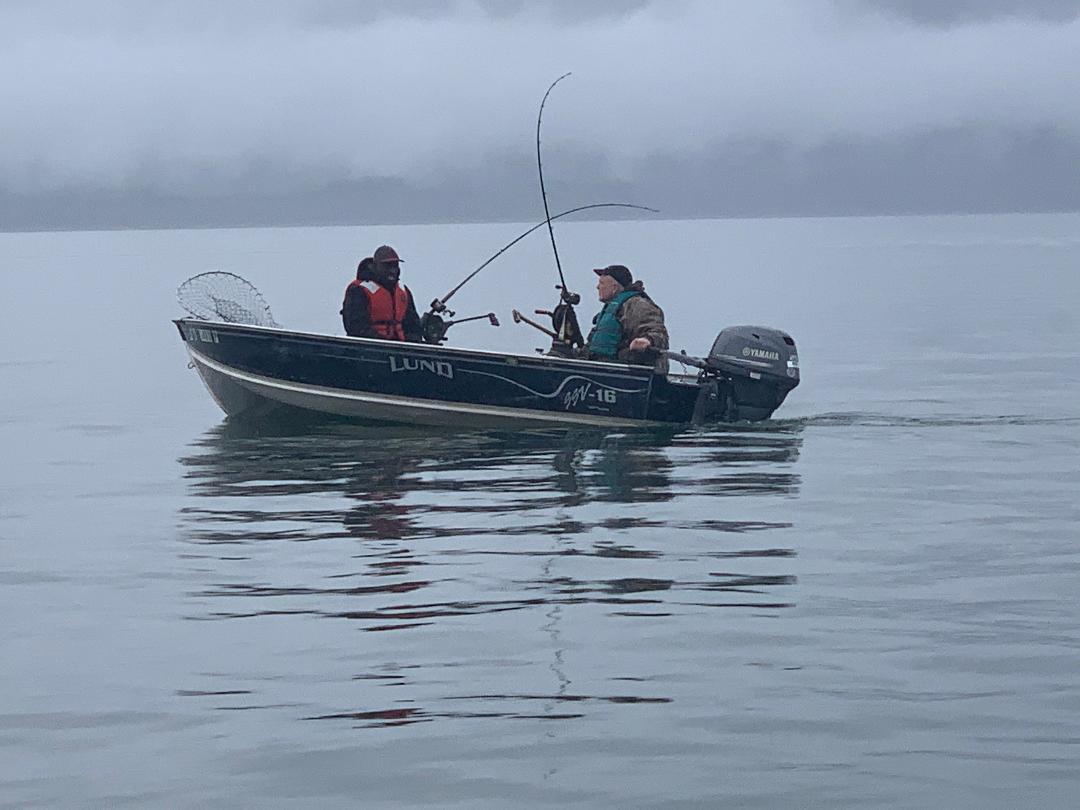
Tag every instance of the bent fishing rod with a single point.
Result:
(439, 304)
(565, 294)
(563, 318)
(433, 325)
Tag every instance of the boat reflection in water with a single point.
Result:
(489, 548)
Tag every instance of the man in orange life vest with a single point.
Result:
(376, 306)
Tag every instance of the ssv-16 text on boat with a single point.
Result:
(252, 366)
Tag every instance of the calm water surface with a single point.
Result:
(870, 601)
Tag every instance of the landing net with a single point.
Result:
(220, 296)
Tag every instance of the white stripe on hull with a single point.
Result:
(370, 406)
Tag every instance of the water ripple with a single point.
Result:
(408, 534)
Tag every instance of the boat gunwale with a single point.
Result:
(542, 360)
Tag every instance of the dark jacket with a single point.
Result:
(356, 315)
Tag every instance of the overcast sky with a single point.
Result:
(124, 112)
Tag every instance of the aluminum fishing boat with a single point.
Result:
(254, 370)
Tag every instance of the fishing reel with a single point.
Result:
(566, 297)
(568, 340)
(565, 322)
(433, 327)
(565, 332)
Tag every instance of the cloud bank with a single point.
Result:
(204, 99)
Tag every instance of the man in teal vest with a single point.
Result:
(630, 328)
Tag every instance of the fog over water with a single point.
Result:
(122, 114)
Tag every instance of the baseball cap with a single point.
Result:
(619, 272)
(385, 253)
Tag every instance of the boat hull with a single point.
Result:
(251, 371)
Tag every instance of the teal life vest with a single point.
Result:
(607, 331)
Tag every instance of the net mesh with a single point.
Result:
(220, 296)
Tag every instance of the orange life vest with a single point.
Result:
(387, 309)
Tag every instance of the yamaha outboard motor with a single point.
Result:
(761, 365)
(748, 373)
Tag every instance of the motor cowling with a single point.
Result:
(755, 368)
